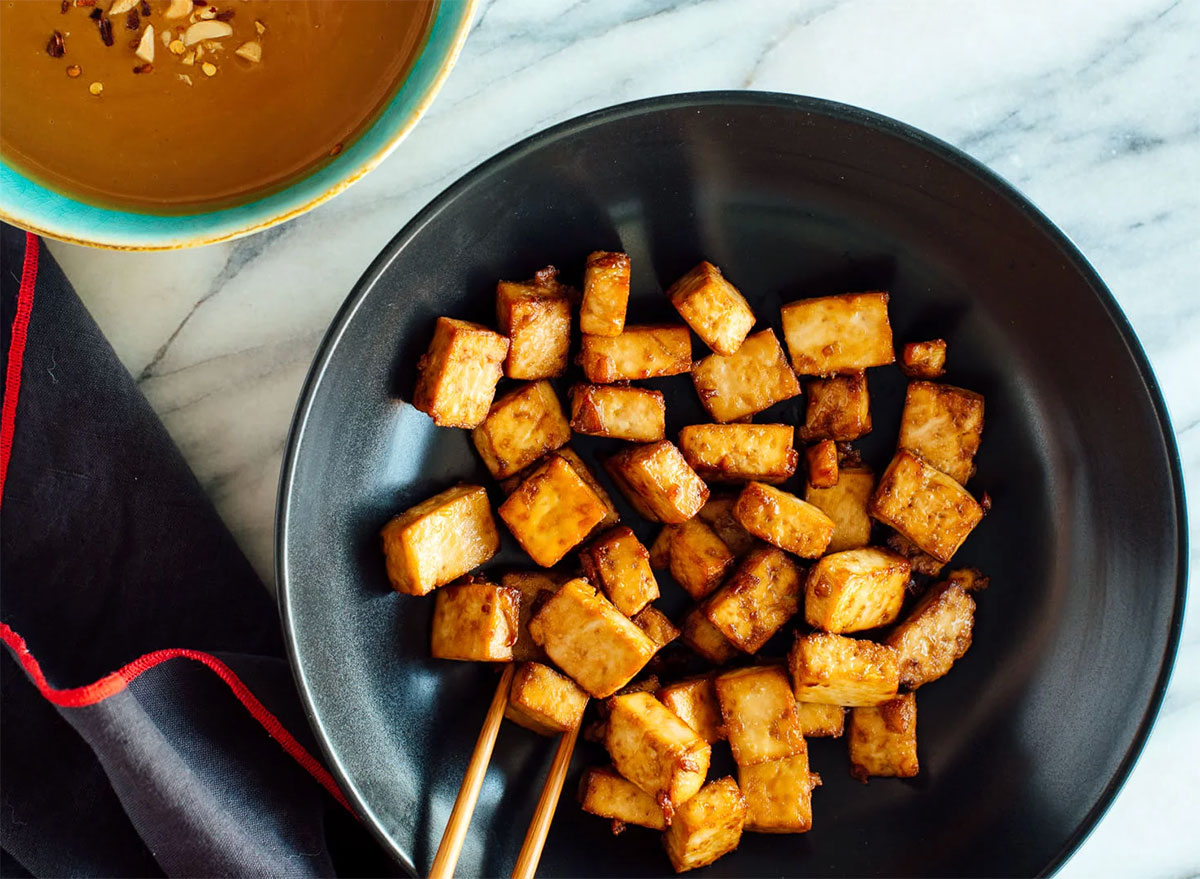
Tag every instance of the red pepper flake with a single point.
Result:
(85, 3)
(144, 68)
(74, 70)
(200, 2)
(55, 48)
(66, 4)
(106, 34)
(224, 15)
(133, 20)
(95, 15)
(146, 8)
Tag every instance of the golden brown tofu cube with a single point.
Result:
(536, 317)
(712, 307)
(762, 595)
(817, 720)
(736, 386)
(589, 639)
(656, 750)
(619, 563)
(835, 334)
(699, 558)
(707, 826)
(658, 482)
(782, 519)
(924, 359)
(935, 634)
(635, 414)
(475, 620)
(611, 517)
(739, 452)
(654, 623)
(836, 670)
(846, 504)
(943, 424)
(760, 714)
(717, 513)
(605, 294)
(605, 793)
(838, 408)
(660, 549)
(552, 511)
(520, 428)
(823, 465)
(458, 374)
(544, 701)
(440, 539)
(694, 701)
(535, 588)
(855, 590)
(883, 739)
(778, 794)
(925, 505)
(646, 351)
(705, 639)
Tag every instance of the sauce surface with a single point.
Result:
(180, 135)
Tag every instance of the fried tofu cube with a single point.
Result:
(643, 351)
(717, 513)
(762, 595)
(544, 701)
(658, 482)
(739, 452)
(736, 386)
(760, 714)
(846, 504)
(656, 750)
(838, 408)
(834, 334)
(655, 623)
(605, 793)
(935, 634)
(694, 701)
(660, 549)
(924, 359)
(706, 639)
(817, 720)
(635, 414)
(712, 307)
(699, 558)
(783, 520)
(925, 505)
(475, 620)
(535, 587)
(855, 590)
(883, 739)
(605, 294)
(778, 794)
(619, 563)
(458, 374)
(520, 428)
(943, 424)
(836, 670)
(536, 317)
(823, 465)
(589, 639)
(552, 512)
(440, 539)
(707, 826)
(611, 516)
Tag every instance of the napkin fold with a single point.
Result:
(149, 724)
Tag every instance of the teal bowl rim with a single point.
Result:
(36, 208)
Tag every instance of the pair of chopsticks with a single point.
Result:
(460, 817)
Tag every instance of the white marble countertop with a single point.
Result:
(1091, 109)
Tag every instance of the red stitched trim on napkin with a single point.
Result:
(115, 682)
(16, 354)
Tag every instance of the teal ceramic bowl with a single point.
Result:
(28, 204)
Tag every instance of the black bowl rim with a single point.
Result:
(710, 99)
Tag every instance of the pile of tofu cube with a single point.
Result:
(582, 623)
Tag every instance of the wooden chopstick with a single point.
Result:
(460, 817)
(539, 827)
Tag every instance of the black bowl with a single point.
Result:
(1025, 743)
